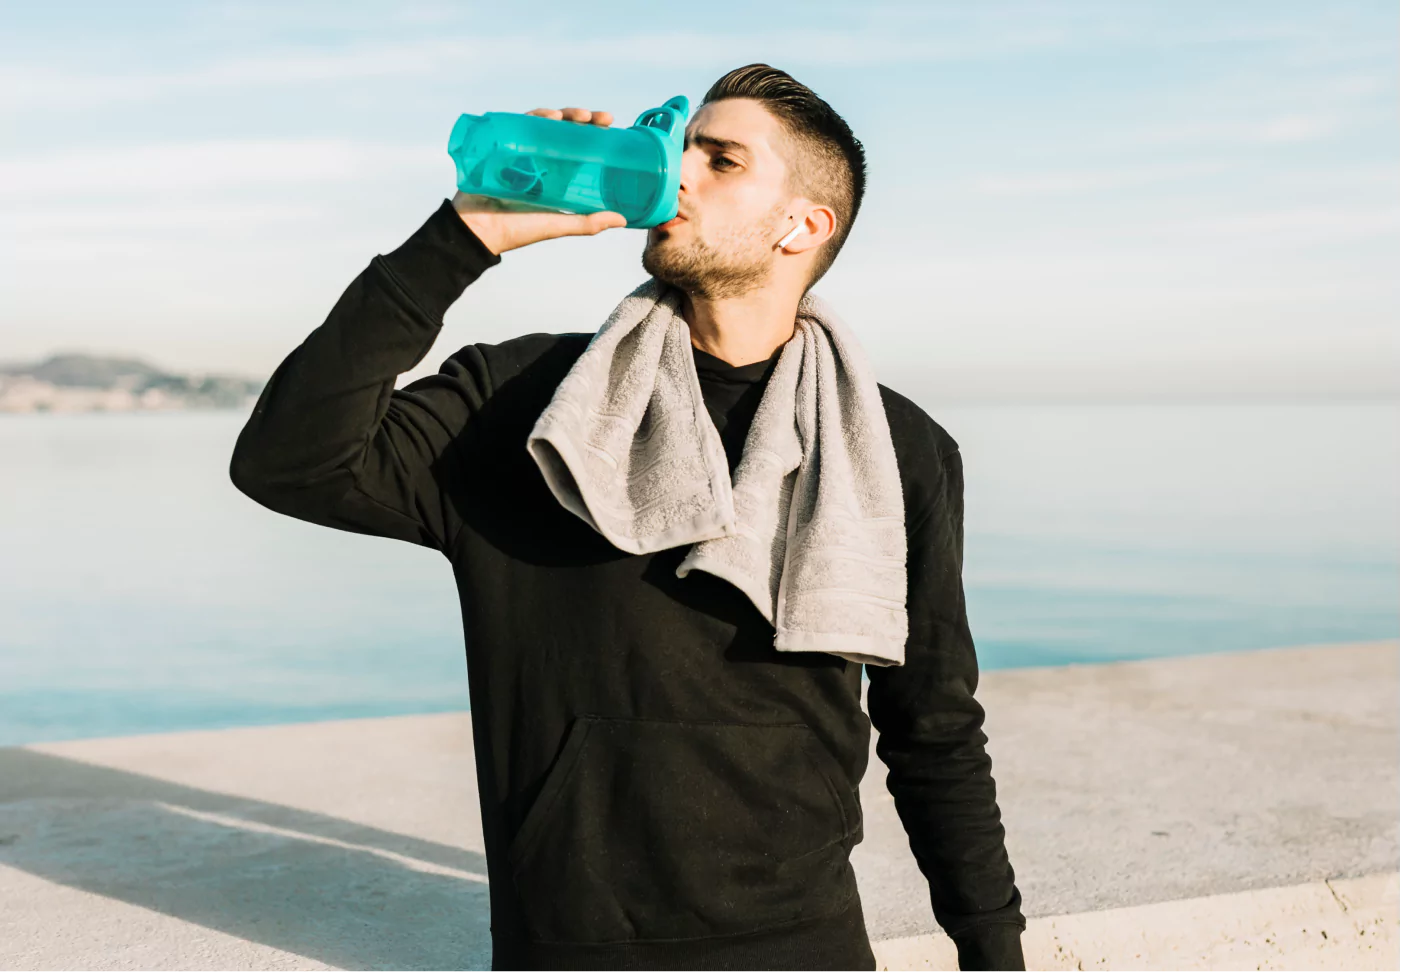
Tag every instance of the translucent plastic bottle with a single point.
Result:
(572, 167)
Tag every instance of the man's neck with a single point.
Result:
(741, 330)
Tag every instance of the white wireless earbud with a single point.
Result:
(789, 238)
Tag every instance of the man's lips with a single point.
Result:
(676, 220)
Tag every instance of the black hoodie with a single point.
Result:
(660, 787)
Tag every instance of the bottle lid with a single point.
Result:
(668, 125)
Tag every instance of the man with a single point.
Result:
(660, 788)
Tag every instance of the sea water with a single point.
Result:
(140, 592)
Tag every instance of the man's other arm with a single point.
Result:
(931, 738)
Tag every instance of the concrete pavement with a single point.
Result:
(1221, 811)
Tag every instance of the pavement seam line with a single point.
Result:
(1328, 883)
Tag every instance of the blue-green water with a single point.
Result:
(140, 592)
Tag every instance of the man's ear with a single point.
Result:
(815, 228)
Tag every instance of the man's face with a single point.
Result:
(732, 208)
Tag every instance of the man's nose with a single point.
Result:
(689, 161)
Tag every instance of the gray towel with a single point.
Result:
(813, 527)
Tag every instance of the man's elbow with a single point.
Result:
(248, 478)
(253, 474)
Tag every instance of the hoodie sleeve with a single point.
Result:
(331, 440)
(931, 739)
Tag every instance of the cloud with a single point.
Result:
(1055, 183)
(42, 86)
(66, 226)
(1303, 225)
(1292, 129)
(877, 36)
(209, 165)
(1277, 130)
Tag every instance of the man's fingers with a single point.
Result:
(581, 115)
(608, 220)
(595, 223)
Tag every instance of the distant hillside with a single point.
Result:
(97, 383)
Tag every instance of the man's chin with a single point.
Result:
(660, 268)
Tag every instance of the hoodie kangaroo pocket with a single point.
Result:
(648, 829)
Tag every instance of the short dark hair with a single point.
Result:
(826, 162)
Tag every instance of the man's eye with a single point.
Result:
(720, 158)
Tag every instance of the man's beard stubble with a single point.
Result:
(735, 265)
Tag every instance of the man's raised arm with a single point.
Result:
(330, 439)
(931, 738)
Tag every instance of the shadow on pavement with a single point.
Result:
(338, 892)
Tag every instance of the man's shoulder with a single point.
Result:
(546, 356)
(922, 449)
(524, 349)
(912, 428)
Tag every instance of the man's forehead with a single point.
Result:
(735, 124)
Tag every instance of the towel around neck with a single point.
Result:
(811, 526)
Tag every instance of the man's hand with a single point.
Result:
(507, 225)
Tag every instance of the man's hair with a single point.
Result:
(826, 162)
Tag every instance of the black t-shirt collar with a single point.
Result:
(709, 366)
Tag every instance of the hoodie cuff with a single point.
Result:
(995, 945)
(438, 262)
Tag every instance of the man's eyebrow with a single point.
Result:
(724, 144)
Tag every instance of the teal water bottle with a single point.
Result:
(572, 167)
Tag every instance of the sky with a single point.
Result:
(1070, 201)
